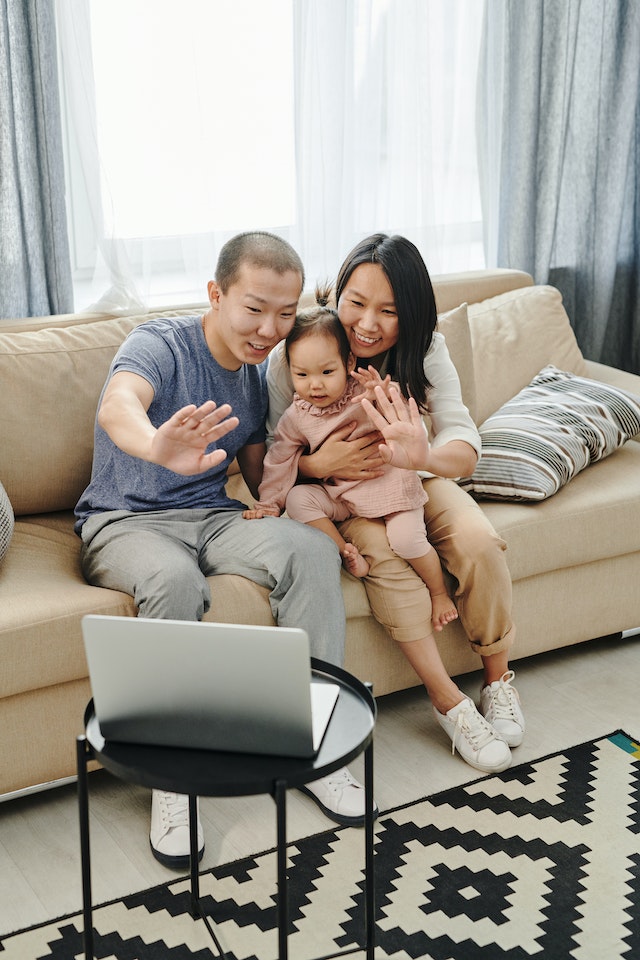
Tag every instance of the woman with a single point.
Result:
(328, 391)
(386, 305)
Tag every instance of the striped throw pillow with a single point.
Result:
(6, 521)
(550, 431)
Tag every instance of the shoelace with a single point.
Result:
(341, 778)
(473, 726)
(504, 698)
(174, 808)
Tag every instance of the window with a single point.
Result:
(189, 120)
(207, 94)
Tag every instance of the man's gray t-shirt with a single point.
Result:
(173, 356)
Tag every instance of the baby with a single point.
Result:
(328, 391)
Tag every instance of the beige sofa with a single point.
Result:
(574, 558)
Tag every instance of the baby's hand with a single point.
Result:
(369, 379)
(257, 513)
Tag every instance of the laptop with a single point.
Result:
(213, 686)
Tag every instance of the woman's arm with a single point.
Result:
(448, 417)
(345, 459)
(280, 386)
(456, 458)
(407, 444)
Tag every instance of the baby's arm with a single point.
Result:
(279, 470)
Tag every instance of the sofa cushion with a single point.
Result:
(454, 326)
(594, 519)
(554, 428)
(514, 336)
(43, 596)
(53, 377)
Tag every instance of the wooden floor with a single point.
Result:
(569, 696)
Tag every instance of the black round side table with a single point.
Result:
(210, 773)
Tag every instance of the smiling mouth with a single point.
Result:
(368, 341)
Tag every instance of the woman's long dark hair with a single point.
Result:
(415, 302)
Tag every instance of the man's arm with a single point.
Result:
(179, 444)
(250, 460)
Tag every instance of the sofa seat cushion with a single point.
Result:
(595, 517)
(43, 598)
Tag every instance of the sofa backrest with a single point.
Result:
(52, 370)
(52, 377)
(515, 335)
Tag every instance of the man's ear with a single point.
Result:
(213, 291)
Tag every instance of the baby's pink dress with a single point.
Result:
(302, 428)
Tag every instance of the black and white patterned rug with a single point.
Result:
(542, 860)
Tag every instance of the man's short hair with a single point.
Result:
(258, 249)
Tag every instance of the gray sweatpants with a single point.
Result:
(162, 559)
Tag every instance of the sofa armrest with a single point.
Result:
(616, 378)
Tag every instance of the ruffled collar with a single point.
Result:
(352, 389)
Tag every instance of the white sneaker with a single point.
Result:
(500, 705)
(340, 797)
(169, 834)
(477, 742)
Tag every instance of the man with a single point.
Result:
(155, 520)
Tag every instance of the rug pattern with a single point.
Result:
(542, 860)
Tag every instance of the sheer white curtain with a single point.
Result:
(322, 120)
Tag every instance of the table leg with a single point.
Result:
(196, 910)
(280, 796)
(83, 755)
(369, 878)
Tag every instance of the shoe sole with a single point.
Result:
(340, 818)
(487, 769)
(174, 862)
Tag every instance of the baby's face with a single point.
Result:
(317, 369)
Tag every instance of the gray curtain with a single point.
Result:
(35, 272)
(559, 148)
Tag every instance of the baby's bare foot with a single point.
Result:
(443, 610)
(354, 562)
